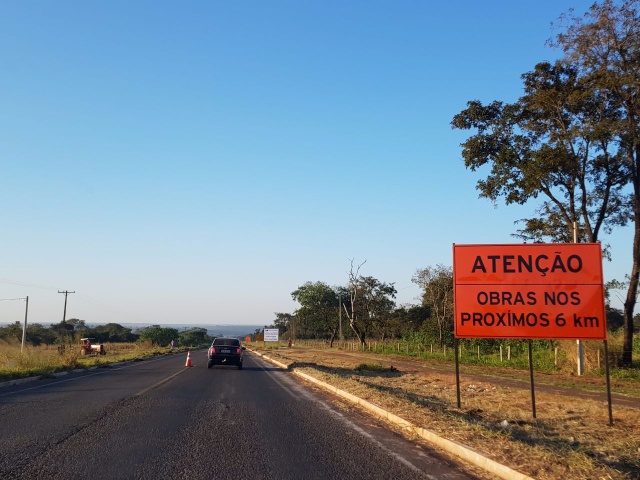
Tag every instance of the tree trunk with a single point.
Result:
(332, 339)
(359, 335)
(632, 293)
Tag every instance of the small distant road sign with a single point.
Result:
(271, 334)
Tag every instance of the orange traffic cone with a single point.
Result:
(188, 364)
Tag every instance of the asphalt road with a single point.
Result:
(158, 419)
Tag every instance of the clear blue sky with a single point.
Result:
(196, 162)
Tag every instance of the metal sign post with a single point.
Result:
(533, 392)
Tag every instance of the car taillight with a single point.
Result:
(212, 350)
(238, 351)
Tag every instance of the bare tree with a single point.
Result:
(371, 303)
(350, 308)
(437, 284)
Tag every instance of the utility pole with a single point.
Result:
(340, 318)
(64, 314)
(24, 330)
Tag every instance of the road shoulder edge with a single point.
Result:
(459, 450)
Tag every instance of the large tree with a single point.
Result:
(375, 304)
(605, 46)
(560, 141)
(318, 310)
(550, 143)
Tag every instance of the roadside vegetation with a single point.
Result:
(548, 356)
(56, 348)
(16, 363)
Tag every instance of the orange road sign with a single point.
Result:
(527, 291)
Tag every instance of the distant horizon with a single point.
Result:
(212, 328)
(7, 322)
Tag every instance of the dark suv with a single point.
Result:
(226, 351)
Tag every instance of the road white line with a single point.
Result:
(373, 439)
(306, 394)
(277, 380)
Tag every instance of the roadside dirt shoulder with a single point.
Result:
(585, 387)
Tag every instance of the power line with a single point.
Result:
(83, 296)
(25, 284)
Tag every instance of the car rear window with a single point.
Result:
(227, 342)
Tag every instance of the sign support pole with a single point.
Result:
(579, 346)
(456, 349)
(533, 393)
(606, 364)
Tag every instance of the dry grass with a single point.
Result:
(43, 360)
(570, 438)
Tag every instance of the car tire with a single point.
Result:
(240, 366)
(210, 364)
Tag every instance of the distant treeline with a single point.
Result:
(72, 330)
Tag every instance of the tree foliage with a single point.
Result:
(605, 47)
(194, 337)
(69, 332)
(158, 335)
(284, 322)
(374, 306)
(407, 320)
(550, 143)
(111, 332)
(318, 311)
(12, 332)
(572, 139)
